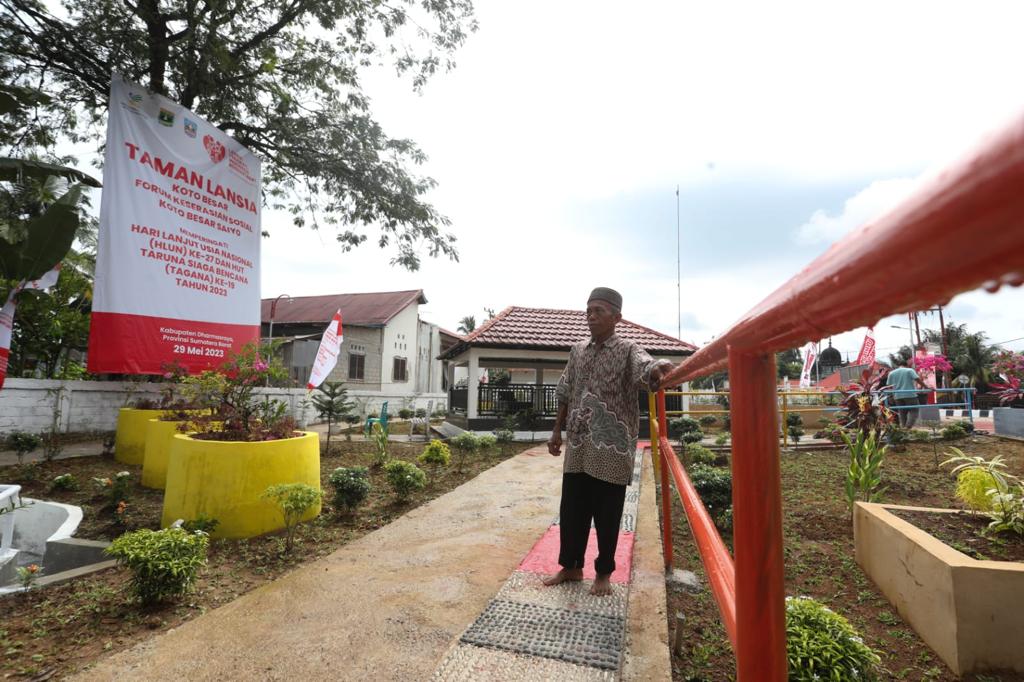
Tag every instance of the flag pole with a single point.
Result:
(679, 289)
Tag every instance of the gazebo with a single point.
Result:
(532, 345)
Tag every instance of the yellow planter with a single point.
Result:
(130, 442)
(159, 436)
(225, 480)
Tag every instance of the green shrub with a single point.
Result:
(164, 563)
(700, 454)
(724, 520)
(954, 431)
(421, 412)
(727, 422)
(972, 486)
(864, 476)
(708, 420)
(795, 434)
(404, 478)
(897, 436)
(435, 454)
(714, 485)
(466, 441)
(116, 489)
(64, 482)
(294, 500)
(917, 435)
(351, 487)
(487, 441)
(682, 425)
(691, 437)
(794, 420)
(406, 413)
(722, 439)
(23, 443)
(505, 436)
(821, 644)
(201, 524)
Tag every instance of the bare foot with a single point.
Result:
(602, 586)
(566, 575)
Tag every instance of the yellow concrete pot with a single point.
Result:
(159, 436)
(225, 480)
(130, 442)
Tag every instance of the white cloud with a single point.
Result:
(871, 202)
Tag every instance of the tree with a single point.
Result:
(331, 403)
(49, 325)
(282, 77)
(788, 363)
(467, 324)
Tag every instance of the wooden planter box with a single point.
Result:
(970, 612)
(225, 480)
(130, 441)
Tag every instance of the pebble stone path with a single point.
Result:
(532, 632)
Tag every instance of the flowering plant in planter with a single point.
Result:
(237, 413)
(932, 363)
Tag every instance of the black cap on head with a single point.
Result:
(608, 296)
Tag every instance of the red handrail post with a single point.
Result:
(757, 519)
(666, 490)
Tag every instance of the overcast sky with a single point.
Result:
(559, 140)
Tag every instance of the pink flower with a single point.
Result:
(259, 365)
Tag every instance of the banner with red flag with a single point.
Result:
(810, 353)
(327, 354)
(867, 349)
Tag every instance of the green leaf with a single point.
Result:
(14, 170)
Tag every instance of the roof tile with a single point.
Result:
(360, 310)
(555, 329)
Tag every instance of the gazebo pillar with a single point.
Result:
(472, 386)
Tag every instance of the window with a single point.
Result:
(398, 371)
(356, 366)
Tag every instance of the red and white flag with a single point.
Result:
(327, 354)
(810, 353)
(7, 314)
(867, 350)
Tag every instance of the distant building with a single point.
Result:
(388, 352)
(532, 346)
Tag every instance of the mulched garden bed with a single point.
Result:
(819, 559)
(56, 631)
(966, 532)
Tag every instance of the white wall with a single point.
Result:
(38, 405)
(400, 341)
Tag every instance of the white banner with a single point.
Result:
(810, 353)
(327, 354)
(177, 274)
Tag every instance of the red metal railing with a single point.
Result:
(962, 230)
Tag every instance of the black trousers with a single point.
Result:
(586, 499)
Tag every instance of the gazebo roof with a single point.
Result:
(554, 329)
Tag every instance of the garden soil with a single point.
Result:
(384, 606)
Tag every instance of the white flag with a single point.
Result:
(810, 353)
(7, 314)
(327, 355)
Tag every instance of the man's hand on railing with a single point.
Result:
(658, 371)
(555, 444)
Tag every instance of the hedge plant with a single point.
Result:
(404, 478)
(351, 487)
(822, 645)
(164, 563)
(436, 454)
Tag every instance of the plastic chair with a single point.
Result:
(382, 419)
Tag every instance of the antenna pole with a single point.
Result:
(679, 289)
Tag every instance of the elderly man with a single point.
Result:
(597, 406)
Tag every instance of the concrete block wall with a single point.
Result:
(39, 405)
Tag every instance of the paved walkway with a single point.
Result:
(399, 603)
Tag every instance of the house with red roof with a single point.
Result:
(532, 345)
(388, 352)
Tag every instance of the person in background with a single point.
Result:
(902, 381)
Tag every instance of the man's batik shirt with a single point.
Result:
(600, 385)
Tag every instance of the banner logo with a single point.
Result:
(190, 127)
(166, 117)
(214, 148)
